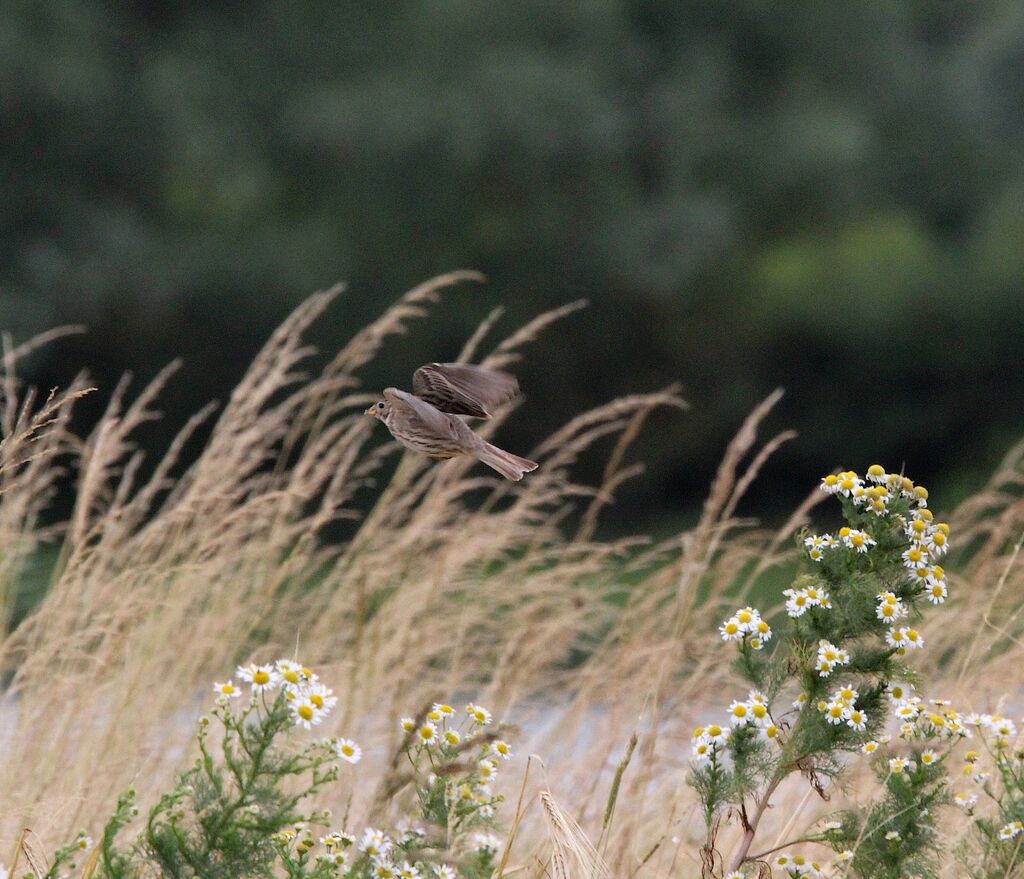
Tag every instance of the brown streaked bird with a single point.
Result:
(427, 420)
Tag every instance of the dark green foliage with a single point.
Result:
(987, 853)
(897, 838)
(218, 820)
(823, 196)
(238, 810)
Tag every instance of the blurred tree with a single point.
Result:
(824, 195)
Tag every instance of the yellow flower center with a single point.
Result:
(306, 712)
(261, 678)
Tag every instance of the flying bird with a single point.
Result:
(427, 419)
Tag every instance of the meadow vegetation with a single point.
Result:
(354, 607)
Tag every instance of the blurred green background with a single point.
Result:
(827, 196)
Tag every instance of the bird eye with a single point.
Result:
(380, 405)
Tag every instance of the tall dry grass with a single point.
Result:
(451, 582)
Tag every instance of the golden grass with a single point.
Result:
(451, 582)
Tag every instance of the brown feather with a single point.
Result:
(463, 389)
(421, 426)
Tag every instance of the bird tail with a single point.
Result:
(508, 465)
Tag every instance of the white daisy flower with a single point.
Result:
(374, 842)
(876, 474)
(965, 801)
(731, 630)
(701, 752)
(740, 713)
(261, 677)
(837, 712)
(830, 484)
(305, 713)
(1010, 830)
(797, 603)
(898, 691)
(716, 734)
(293, 674)
(226, 690)
(857, 719)
(322, 697)
(348, 750)
(901, 764)
(479, 714)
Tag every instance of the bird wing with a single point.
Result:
(462, 389)
(409, 409)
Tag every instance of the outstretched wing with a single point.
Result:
(461, 389)
(411, 415)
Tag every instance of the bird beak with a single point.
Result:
(372, 410)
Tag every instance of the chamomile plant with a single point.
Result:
(820, 692)
(246, 806)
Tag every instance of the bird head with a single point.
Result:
(381, 409)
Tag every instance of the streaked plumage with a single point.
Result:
(428, 421)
